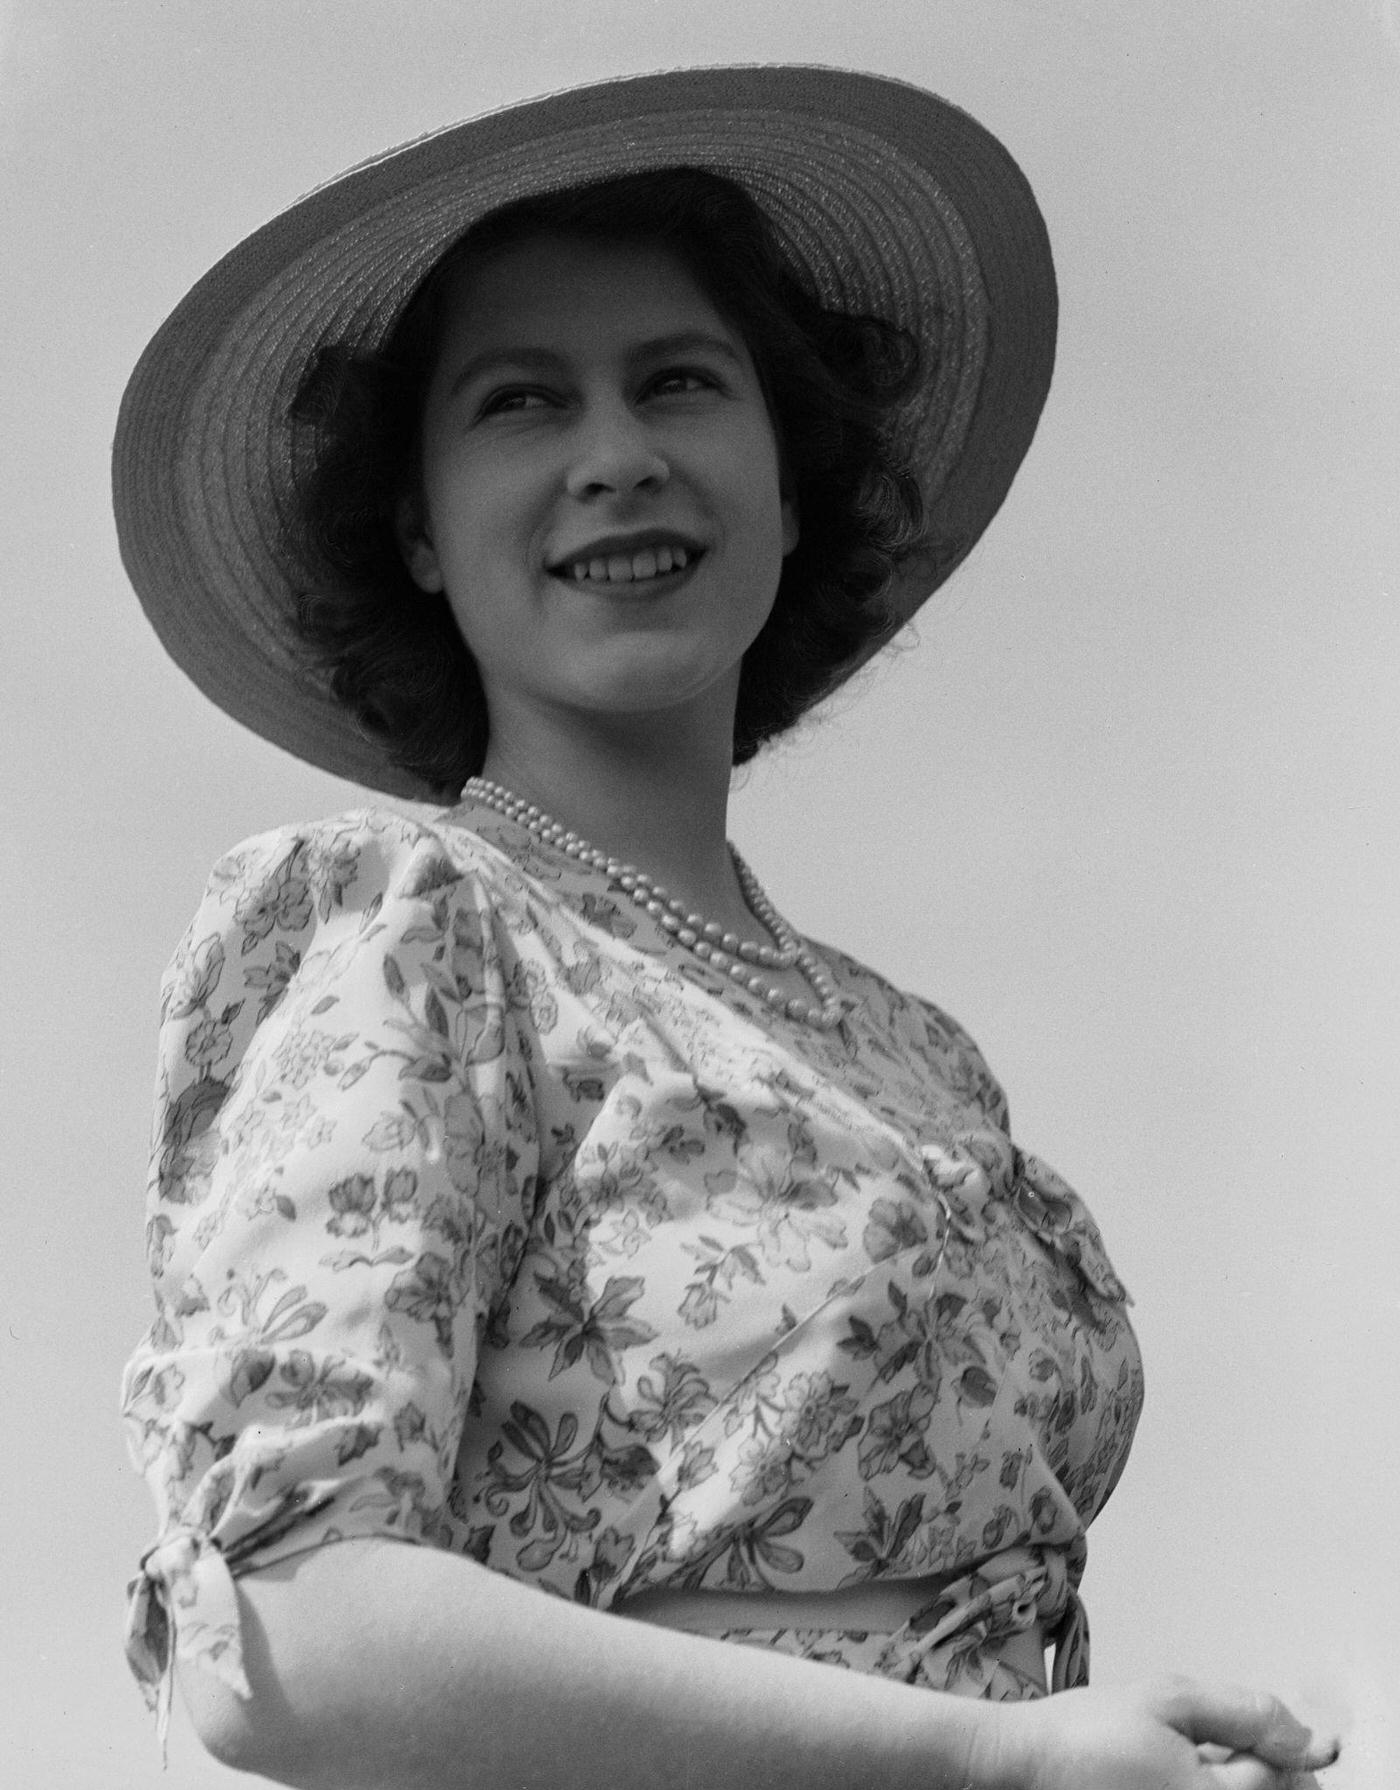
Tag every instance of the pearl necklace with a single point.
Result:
(706, 939)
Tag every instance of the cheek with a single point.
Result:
(776, 485)
(470, 517)
(772, 516)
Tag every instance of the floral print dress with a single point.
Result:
(484, 1217)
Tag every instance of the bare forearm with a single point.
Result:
(380, 1665)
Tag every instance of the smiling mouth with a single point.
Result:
(646, 566)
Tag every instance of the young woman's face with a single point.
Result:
(601, 500)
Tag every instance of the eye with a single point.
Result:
(683, 381)
(511, 399)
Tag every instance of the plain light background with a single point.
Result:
(1126, 804)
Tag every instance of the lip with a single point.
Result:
(639, 542)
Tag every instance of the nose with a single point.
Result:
(614, 455)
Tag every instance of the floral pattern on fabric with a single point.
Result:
(483, 1218)
(954, 1643)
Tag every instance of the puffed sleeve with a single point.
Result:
(343, 1162)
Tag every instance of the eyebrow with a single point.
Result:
(528, 359)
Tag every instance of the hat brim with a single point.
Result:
(887, 199)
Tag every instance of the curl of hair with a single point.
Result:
(834, 384)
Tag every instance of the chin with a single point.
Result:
(648, 674)
(659, 696)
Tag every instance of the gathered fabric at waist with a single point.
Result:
(982, 1632)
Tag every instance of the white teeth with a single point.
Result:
(627, 568)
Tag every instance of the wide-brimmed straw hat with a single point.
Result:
(886, 198)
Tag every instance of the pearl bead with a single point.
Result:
(709, 941)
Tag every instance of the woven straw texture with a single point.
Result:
(886, 198)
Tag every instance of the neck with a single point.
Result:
(653, 794)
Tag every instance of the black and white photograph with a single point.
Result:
(701, 1077)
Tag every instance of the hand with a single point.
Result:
(1170, 1734)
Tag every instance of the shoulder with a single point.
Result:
(320, 953)
(878, 993)
(366, 880)
(320, 862)
(293, 876)
(919, 1026)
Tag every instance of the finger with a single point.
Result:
(1248, 1722)
(1242, 1771)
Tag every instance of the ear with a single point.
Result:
(416, 549)
(791, 532)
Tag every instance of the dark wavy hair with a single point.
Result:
(833, 383)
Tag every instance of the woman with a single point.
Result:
(525, 1190)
